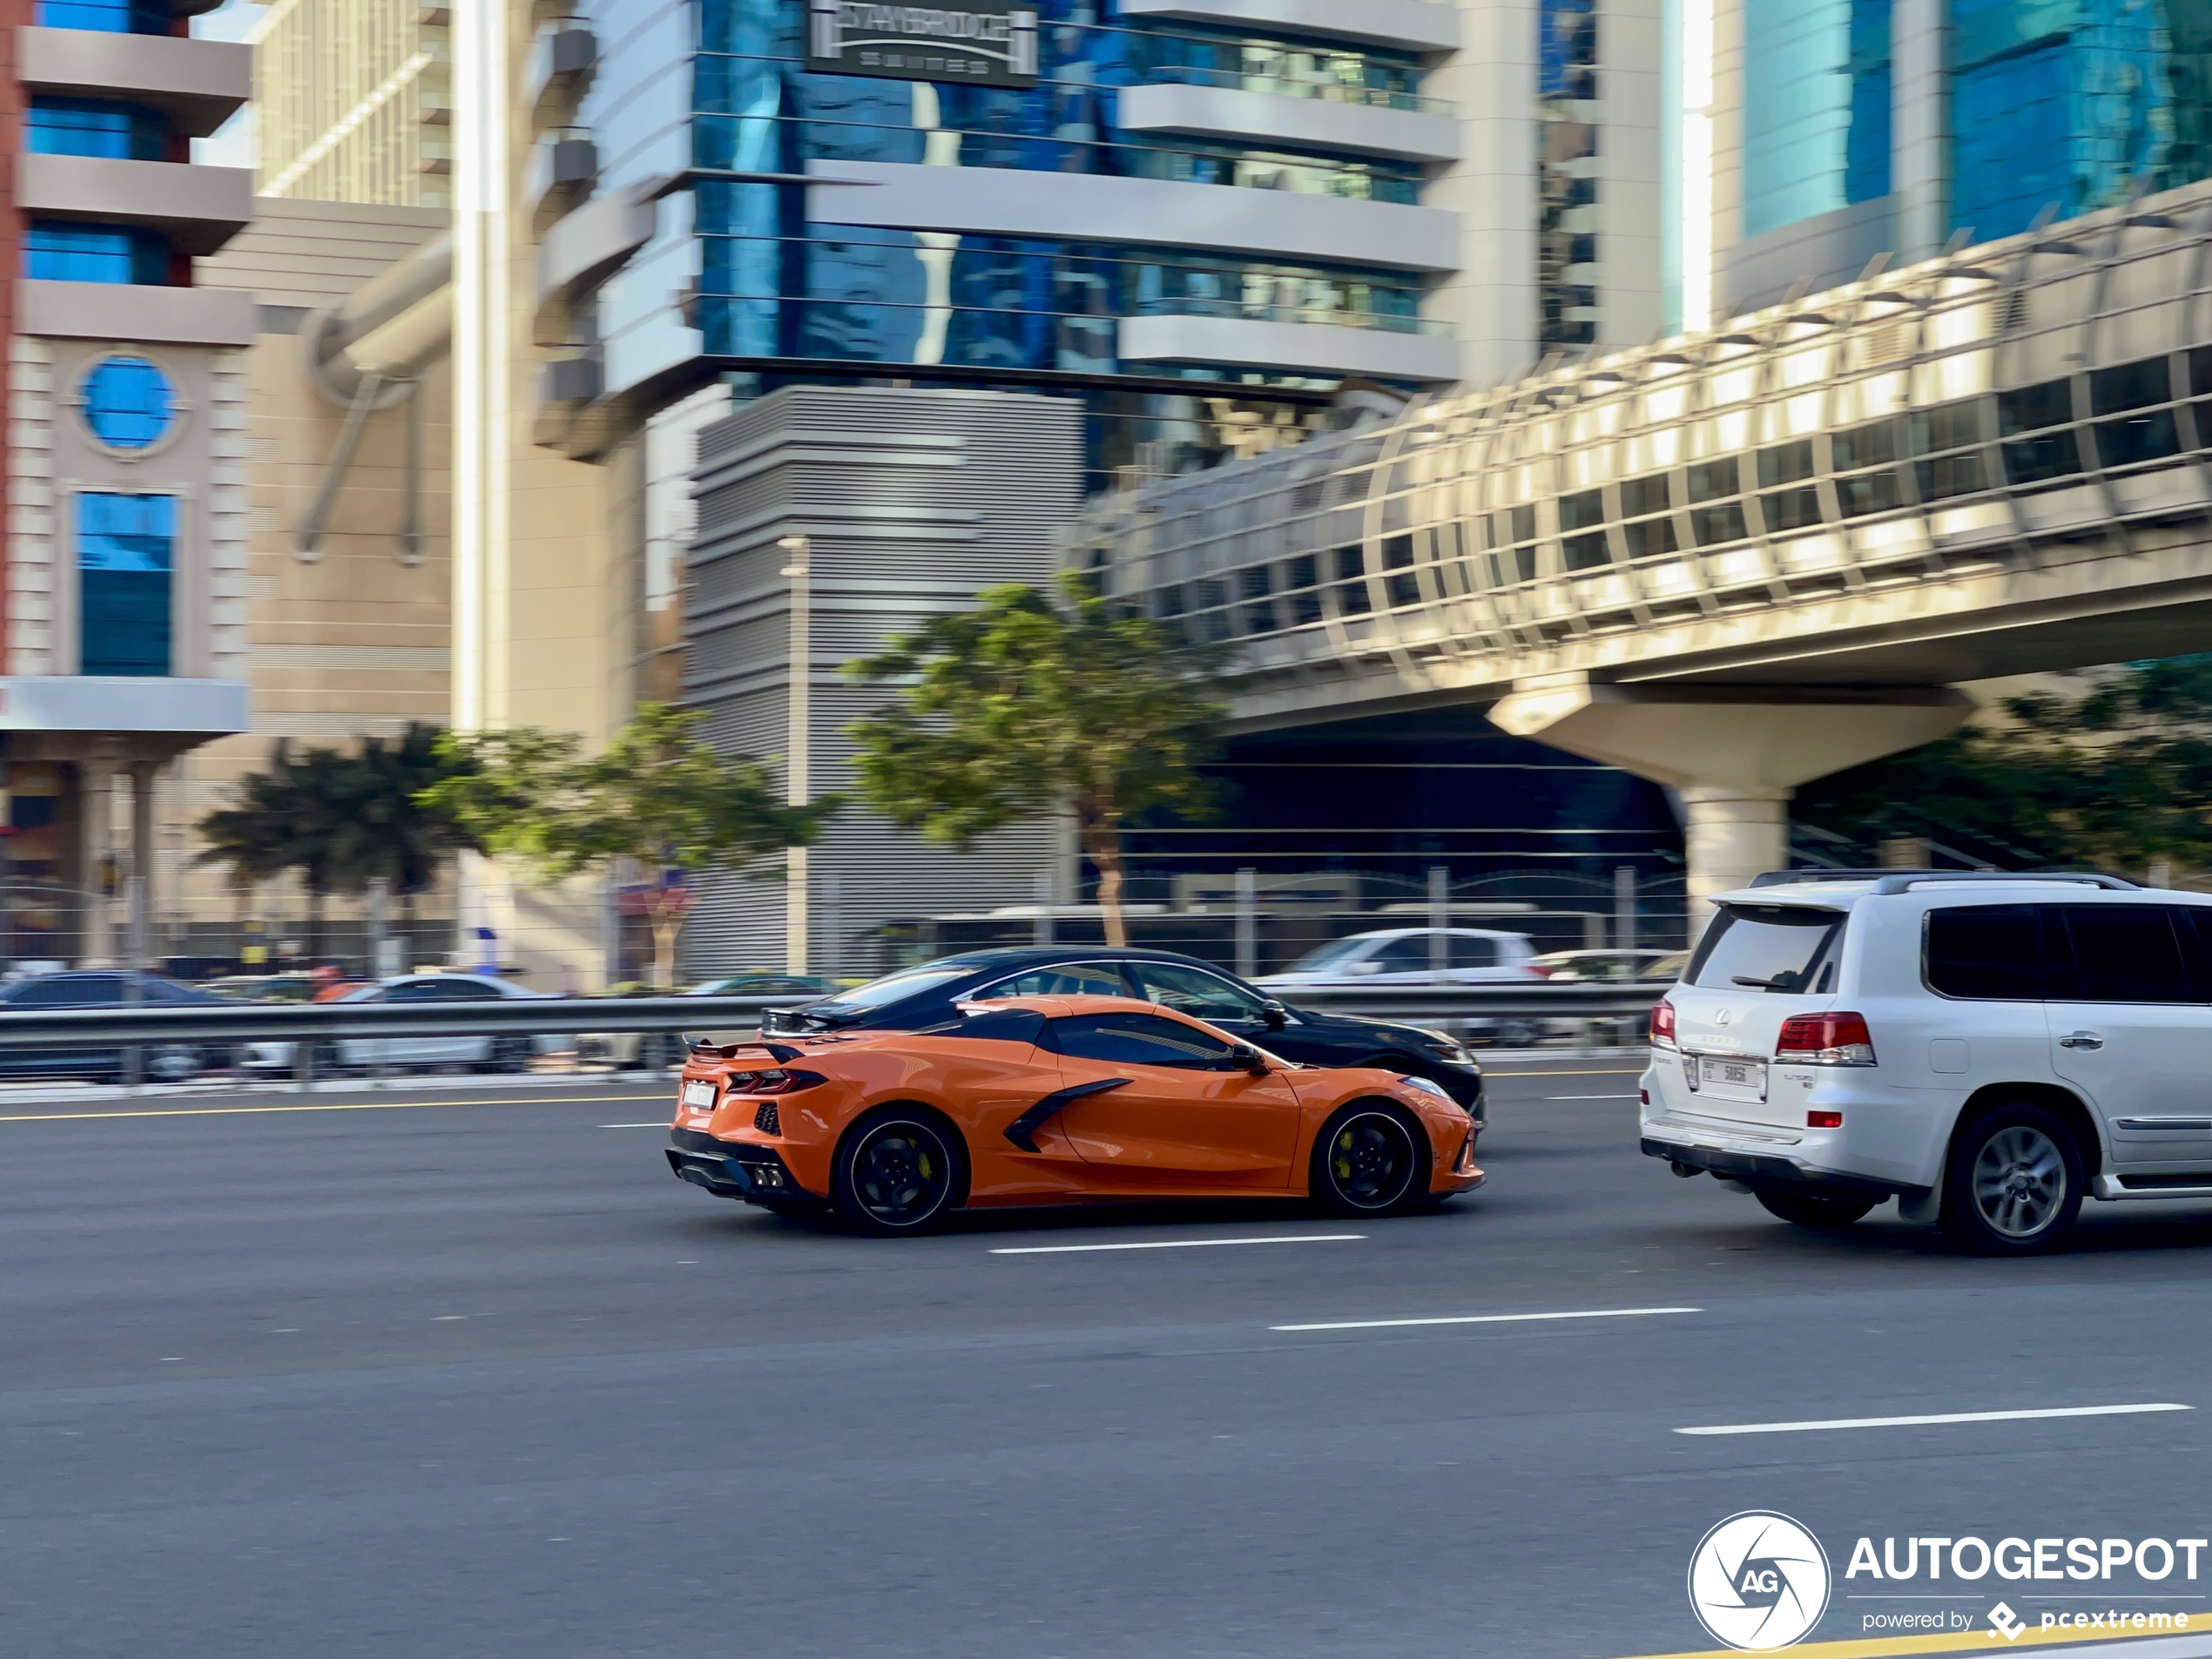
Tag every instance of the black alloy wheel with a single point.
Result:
(1814, 1210)
(2015, 1182)
(1371, 1159)
(897, 1171)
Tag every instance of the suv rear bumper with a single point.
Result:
(1766, 1170)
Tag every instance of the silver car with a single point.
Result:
(485, 1053)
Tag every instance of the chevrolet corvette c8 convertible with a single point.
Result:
(1055, 1100)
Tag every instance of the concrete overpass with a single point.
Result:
(1738, 561)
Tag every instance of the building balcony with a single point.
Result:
(1424, 26)
(1096, 207)
(195, 209)
(1309, 122)
(1320, 348)
(560, 174)
(562, 61)
(582, 251)
(198, 84)
(127, 311)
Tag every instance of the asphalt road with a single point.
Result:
(481, 1379)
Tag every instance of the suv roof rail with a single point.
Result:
(1890, 881)
(1902, 882)
(1792, 878)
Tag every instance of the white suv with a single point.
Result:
(1988, 1050)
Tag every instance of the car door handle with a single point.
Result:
(2082, 1040)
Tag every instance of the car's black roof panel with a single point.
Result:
(1006, 956)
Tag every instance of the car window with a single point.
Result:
(1985, 952)
(1138, 1040)
(464, 990)
(1408, 953)
(997, 1025)
(414, 990)
(69, 991)
(1335, 953)
(1200, 994)
(1788, 948)
(895, 987)
(1472, 950)
(1063, 979)
(2122, 953)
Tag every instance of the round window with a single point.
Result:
(128, 403)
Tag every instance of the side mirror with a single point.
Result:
(1275, 1013)
(1245, 1058)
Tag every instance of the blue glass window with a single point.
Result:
(1817, 109)
(2074, 106)
(61, 250)
(125, 553)
(105, 16)
(77, 126)
(127, 402)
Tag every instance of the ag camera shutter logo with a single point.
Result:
(1758, 1582)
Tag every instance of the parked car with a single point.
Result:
(489, 1052)
(167, 1062)
(264, 987)
(765, 985)
(1407, 956)
(1990, 1050)
(653, 1050)
(1055, 1099)
(1584, 967)
(929, 995)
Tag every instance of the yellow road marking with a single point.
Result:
(1980, 1641)
(344, 1106)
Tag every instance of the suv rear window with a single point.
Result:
(1788, 948)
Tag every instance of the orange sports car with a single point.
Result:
(1053, 1100)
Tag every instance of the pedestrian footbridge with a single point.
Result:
(1736, 560)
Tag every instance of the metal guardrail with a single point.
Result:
(63, 1030)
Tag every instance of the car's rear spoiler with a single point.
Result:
(782, 1053)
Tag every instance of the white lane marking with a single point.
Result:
(656, 1124)
(1177, 1244)
(1625, 1095)
(1940, 1417)
(1486, 1318)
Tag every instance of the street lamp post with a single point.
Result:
(800, 552)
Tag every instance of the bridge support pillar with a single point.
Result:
(1736, 753)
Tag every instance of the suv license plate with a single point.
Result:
(699, 1097)
(1743, 1079)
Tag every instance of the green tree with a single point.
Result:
(656, 795)
(2120, 777)
(343, 819)
(1036, 704)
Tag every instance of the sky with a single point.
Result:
(233, 146)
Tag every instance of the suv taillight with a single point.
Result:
(1663, 1025)
(1825, 1040)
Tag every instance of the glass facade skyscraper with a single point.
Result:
(2076, 104)
(1872, 127)
(759, 275)
(1817, 111)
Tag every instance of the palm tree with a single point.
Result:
(343, 820)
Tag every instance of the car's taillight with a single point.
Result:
(773, 1081)
(1663, 1025)
(1824, 1040)
(1824, 1120)
(1542, 970)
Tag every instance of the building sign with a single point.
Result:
(984, 43)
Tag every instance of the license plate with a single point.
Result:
(1731, 1079)
(699, 1097)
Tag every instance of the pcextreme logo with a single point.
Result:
(1758, 1582)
